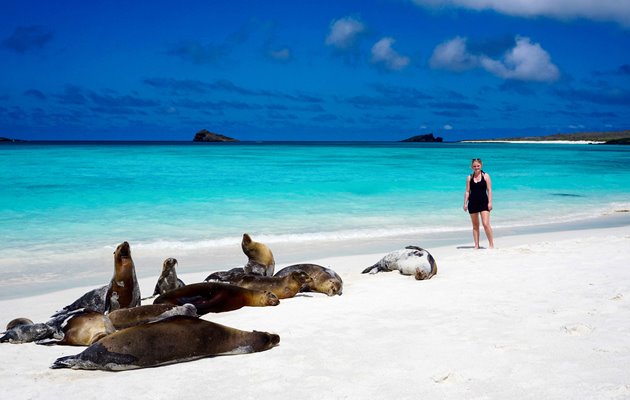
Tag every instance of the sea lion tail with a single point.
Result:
(373, 269)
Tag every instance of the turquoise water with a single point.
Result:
(65, 206)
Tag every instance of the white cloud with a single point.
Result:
(448, 127)
(526, 61)
(600, 10)
(453, 55)
(345, 32)
(383, 53)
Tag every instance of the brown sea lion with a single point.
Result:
(128, 317)
(169, 341)
(323, 280)
(123, 291)
(283, 287)
(411, 260)
(217, 297)
(259, 257)
(85, 328)
(168, 278)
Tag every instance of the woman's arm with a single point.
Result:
(489, 190)
(467, 193)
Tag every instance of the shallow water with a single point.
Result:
(65, 206)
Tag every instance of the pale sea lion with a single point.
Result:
(324, 280)
(283, 287)
(411, 260)
(169, 341)
(217, 297)
(168, 278)
(123, 291)
(259, 257)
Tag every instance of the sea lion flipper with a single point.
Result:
(374, 269)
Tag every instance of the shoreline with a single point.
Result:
(207, 260)
(543, 315)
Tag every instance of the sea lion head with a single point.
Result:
(332, 287)
(17, 322)
(169, 264)
(269, 299)
(265, 340)
(123, 250)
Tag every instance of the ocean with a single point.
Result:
(65, 206)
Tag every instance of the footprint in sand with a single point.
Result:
(450, 377)
(577, 329)
(617, 297)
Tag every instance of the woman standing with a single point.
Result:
(478, 200)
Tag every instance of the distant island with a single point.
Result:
(423, 138)
(4, 140)
(618, 137)
(206, 136)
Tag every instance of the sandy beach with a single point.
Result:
(541, 316)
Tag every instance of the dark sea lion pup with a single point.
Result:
(324, 280)
(123, 291)
(259, 257)
(168, 278)
(27, 332)
(283, 287)
(93, 300)
(225, 276)
(217, 297)
(411, 260)
(169, 341)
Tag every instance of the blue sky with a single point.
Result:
(313, 70)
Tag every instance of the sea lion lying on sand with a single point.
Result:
(323, 280)
(411, 260)
(217, 297)
(176, 339)
(283, 287)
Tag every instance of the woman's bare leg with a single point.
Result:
(475, 223)
(485, 219)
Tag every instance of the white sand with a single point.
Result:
(543, 316)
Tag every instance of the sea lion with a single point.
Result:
(411, 260)
(168, 278)
(283, 287)
(259, 257)
(217, 297)
(123, 291)
(324, 280)
(17, 322)
(169, 341)
(25, 333)
(93, 300)
(128, 317)
(225, 276)
(85, 327)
